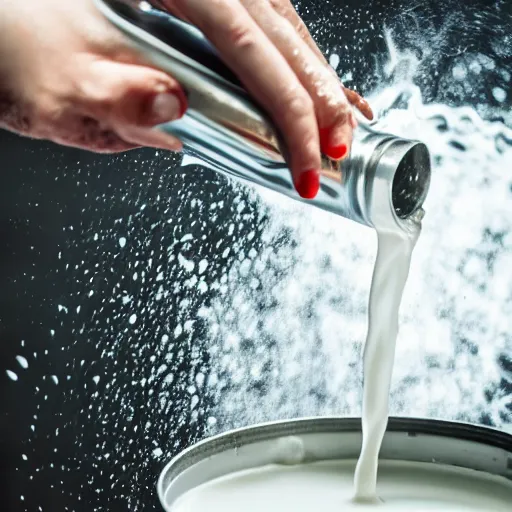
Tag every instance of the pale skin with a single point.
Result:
(67, 75)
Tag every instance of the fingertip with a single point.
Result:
(131, 94)
(335, 141)
(163, 106)
(359, 102)
(334, 150)
(308, 184)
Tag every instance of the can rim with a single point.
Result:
(236, 438)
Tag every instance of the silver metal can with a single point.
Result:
(310, 440)
(383, 183)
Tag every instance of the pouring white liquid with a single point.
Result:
(330, 486)
(389, 278)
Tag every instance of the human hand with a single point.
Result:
(67, 75)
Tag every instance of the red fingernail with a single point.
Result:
(308, 184)
(334, 152)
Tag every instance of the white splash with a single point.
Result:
(11, 375)
(22, 361)
(303, 325)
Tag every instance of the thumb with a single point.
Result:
(133, 99)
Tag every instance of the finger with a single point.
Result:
(131, 100)
(248, 51)
(173, 7)
(359, 102)
(287, 11)
(332, 108)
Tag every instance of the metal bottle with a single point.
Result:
(382, 183)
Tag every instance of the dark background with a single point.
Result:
(79, 427)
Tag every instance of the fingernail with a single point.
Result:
(165, 107)
(308, 184)
(334, 151)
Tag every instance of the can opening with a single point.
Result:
(411, 181)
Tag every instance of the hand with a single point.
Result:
(67, 75)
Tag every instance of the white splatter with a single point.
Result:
(11, 375)
(203, 265)
(22, 362)
(499, 94)
(187, 265)
(334, 60)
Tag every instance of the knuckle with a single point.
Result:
(330, 99)
(50, 114)
(277, 5)
(282, 7)
(47, 119)
(286, 10)
(96, 97)
(301, 29)
(296, 103)
(240, 35)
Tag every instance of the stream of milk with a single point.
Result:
(389, 277)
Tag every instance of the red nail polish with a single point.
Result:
(337, 152)
(334, 152)
(308, 184)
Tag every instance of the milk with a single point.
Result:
(388, 282)
(328, 487)
(345, 485)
